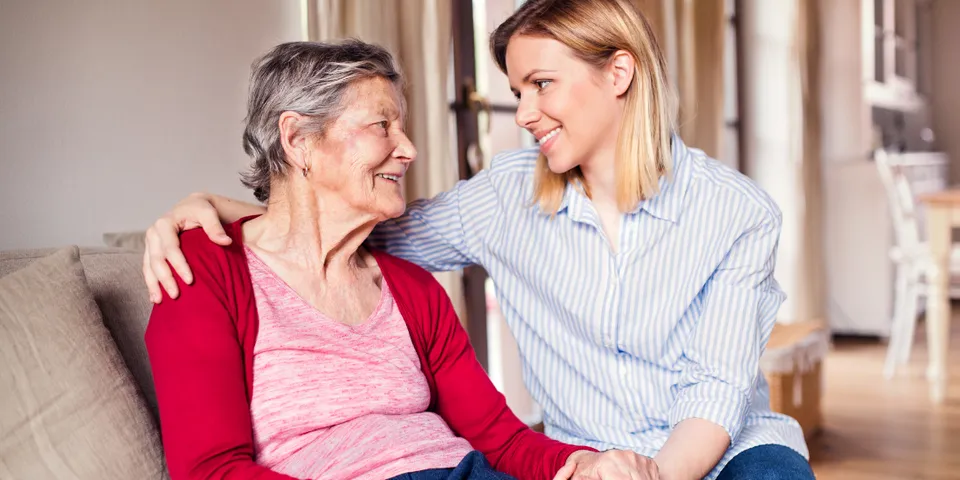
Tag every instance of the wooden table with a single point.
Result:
(942, 215)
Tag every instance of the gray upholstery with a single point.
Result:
(71, 408)
(114, 277)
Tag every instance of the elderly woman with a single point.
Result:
(301, 354)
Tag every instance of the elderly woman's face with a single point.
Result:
(365, 153)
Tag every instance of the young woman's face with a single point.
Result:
(571, 108)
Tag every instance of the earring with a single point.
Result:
(306, 169)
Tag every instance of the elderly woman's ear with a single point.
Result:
(293, 139)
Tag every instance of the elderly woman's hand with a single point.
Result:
(609, 465)
(163, 243)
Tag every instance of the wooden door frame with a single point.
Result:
(468, 133)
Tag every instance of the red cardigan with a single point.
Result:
(201, 353)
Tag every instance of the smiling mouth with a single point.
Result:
(549, 135)
(392, 178)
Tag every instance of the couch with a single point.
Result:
(76, 392)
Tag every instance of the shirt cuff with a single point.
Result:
(713, 401)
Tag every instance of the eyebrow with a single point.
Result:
(526, 78)
(388, 112)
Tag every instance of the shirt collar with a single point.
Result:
(665, 205)
(668, 203)
(571, 195)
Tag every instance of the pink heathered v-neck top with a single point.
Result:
(337, 401)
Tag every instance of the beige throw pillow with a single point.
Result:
(69, 408)
(135, 241)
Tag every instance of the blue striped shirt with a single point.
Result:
(619, 347)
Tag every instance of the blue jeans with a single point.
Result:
(473, 467)
(767, 462)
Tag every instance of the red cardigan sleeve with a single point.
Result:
(472, 406)
(198, 369)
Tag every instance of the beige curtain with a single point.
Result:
(691, 33)
(655, 13)
(418, 33)
(811, 288)
(700, 44)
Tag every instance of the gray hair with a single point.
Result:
(308, 78)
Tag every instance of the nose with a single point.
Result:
(527, 112)
(405, 151)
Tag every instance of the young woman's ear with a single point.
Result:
(622, 68)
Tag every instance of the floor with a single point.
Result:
(887, 429)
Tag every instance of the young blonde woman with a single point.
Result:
(635, 272)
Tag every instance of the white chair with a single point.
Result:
(912, 258)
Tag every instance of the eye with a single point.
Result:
(383, 124)
(516, 95)
(541, 84)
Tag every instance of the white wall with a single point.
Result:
(857, 226)
(112, 110)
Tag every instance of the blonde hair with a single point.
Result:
(595, 30)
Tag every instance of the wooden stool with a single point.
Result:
(792, 366)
